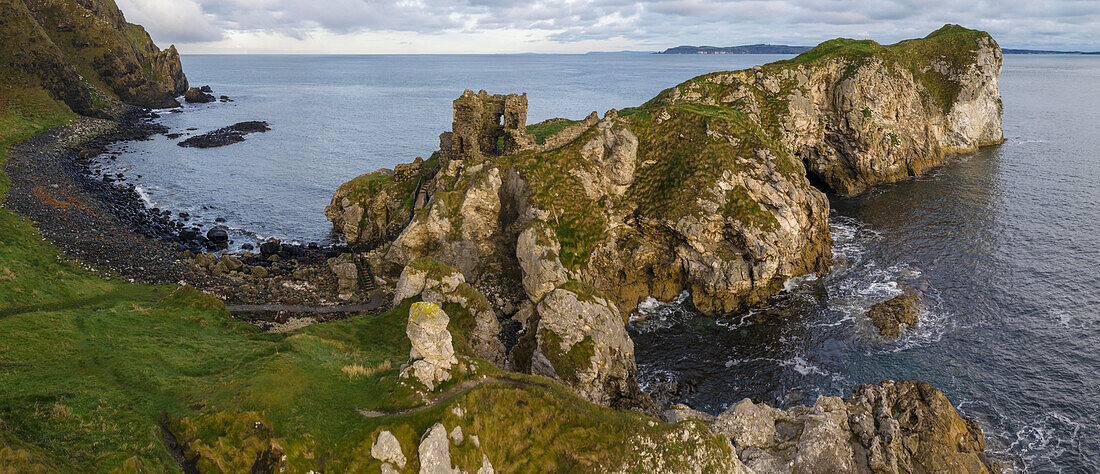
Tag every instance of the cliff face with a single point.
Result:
(85, 54)
(860, 114)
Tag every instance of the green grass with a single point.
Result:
(548, 127)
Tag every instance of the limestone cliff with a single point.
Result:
(85, 54)
(858, 113)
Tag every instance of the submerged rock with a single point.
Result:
(891, 315)
(225, 136)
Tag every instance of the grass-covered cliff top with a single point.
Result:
(934, 60)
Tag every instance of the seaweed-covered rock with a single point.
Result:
(226, 135)
(440, 284)
(891, 315)
(582, 342)
(196, 95)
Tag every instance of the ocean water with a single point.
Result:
(1003, 244)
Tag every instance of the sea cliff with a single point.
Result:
(86, 55)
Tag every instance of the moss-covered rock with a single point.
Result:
(892, 315)
(582, 342)
(473, 320)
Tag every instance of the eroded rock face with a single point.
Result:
(371, 207)
(439, 284)
(893, 427)
(432, 353)
(582, 342)
(94, 36)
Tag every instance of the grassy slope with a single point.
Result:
(88, 365)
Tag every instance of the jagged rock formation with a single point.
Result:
(859, 113)
(388, 450)
(893, 427)
(473, 317)
(581, 342)
(85, 54)
(432, 353)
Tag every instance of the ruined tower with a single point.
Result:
(487, 125)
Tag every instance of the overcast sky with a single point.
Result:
(577, 26)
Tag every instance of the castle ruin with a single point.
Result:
(487, 125)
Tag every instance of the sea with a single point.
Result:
(1002, 244)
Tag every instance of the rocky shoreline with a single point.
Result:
(104, 223)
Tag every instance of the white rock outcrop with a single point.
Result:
(432, 354)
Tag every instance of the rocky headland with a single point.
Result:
(509, 261)
(715, 188)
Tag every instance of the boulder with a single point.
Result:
(582, 342)
(388, 450)
(269, 248)
(219, 235)
(891, 315)
(441, 284)
(197, 95)
(432, 353)
(347, 275)
(435, 452)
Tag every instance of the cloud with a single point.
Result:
(172, 21)
(561, 25)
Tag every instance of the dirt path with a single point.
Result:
(377, 299)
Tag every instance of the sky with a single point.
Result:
(578, 26)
